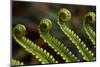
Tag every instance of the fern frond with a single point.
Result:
(42, 55)
(65, 14)
(16, 62)
(55, 43)
(90, 17)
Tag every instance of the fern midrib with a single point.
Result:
(54, 45)
(88, 56)
(44, 59)
(90, 33)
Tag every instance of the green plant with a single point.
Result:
(64, 16)
(16, 62)
(90, 18)
(59, 47)
(19, 32)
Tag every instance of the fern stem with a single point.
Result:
(90, 17)
(55, 43)
(16, 62)
(86, 53)
(42, 55)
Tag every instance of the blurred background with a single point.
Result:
(31, 13)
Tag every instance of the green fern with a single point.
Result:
(90, 17)
(45, 26)
(16, 62)
(19, 32)
(64, 16)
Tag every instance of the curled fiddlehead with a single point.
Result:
(16, 62)
(45, 25)
(42, 55)
(64, 16)
(90, 18)
(63, 51)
